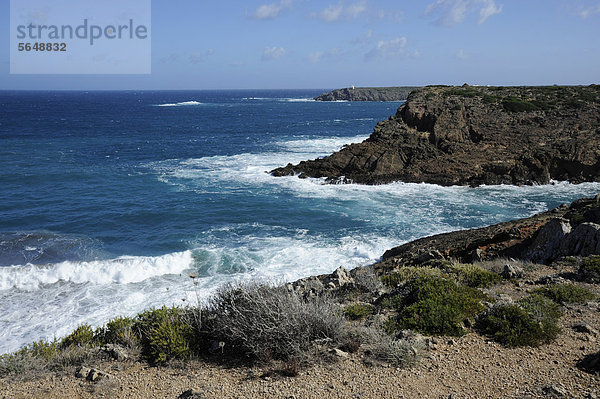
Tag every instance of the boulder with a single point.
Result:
(584, 240)
(546, 245)
(512, 271)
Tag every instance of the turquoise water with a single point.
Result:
(110, 199)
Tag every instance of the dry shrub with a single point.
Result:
(265, 322)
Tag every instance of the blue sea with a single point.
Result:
(109, 200)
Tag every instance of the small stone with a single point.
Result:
(94, 375)
(584, 327)
(512, 271)
(339, 353)
(82, 372)
(117, 352)
(554, 390)
(192, 393)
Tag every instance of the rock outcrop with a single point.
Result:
(564, 231)
(367, 94)
(473, 136)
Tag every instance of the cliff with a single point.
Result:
(475, 135)
(367, 94)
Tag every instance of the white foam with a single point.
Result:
(181, 104)
(55, 310)
(122, 270)
(319, 146)
(297, 100)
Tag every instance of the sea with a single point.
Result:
(109, 200)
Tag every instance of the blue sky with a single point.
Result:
(328, 44)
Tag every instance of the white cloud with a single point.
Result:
(270, 11)
(461, 55)
(590, 11)
(331, 54)
(334, 13)
(454, 12)
(354, 10)
(489, 9)
(315, 57)
(272, 53)
(387, 48)
(331, 13)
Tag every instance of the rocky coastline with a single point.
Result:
(508, 310)
(554, 253)
(473, 136)
(367, 94)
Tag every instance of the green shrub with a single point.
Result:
(118, 331)
(589, 270)
(514, 104)
(466, 274)
(164, 334)
(358, 311)
(15, 363)
(41, 356)
(30, 359)
(474, 276)
(487, 99)
(438, 306)
(531, 322)
(82, 336)
(405, 273)
(565, 293)
(47, 350)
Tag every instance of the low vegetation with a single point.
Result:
(589, 270)
(466, 274)
(530, 322)
(264, 322)
(259, 323)
(358, 311)
(435, 305)
(565, 293)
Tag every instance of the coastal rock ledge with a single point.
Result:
(475, 135)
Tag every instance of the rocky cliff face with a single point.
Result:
(367, 94)
(475, 135)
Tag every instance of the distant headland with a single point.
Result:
(367, 94)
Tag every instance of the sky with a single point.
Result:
(278, 44)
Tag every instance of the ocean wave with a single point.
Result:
(273, 254)
(121, 270)
(297, 100)
(181, 104)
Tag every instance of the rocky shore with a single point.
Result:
(549, 259)
(475, 135)
(367, 94)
